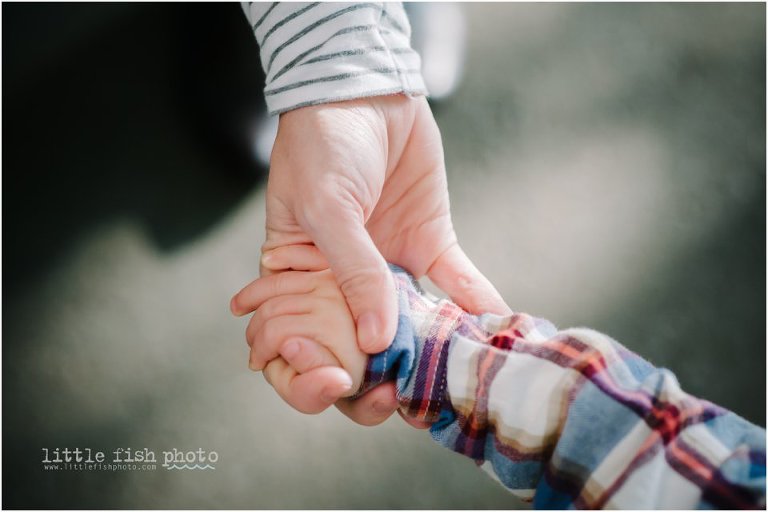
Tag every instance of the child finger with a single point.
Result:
(257, 292)
(278, 371)
(311, 392)
(272, 334)
(277, 306)
(273, 368)
(305, 355)
(295, 257)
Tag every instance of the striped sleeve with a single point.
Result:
(566, 419)
(321, 52)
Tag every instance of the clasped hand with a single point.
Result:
(364, 182)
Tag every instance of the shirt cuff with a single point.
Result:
(417, 359)
(315, 53)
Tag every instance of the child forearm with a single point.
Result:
(566, 418)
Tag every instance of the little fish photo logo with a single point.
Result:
(200, 459)
(127, 459)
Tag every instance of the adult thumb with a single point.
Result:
(456, 275)
(362, 274)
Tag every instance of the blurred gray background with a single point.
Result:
(606, 164)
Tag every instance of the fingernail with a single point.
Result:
(290, 349)
(332, 393)
(233, 305)
(266, 259)
(253, 366)
(368, 331)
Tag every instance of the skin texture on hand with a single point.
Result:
(311, 351)
(364, 181)
(294, 309)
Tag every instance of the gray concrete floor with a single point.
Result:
(606, 165)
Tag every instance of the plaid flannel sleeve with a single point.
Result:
(567, 419)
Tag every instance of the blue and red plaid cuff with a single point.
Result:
(418, 356)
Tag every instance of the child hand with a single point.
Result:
(304, 316)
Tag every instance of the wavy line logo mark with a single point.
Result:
(199, 460)
(187, 466)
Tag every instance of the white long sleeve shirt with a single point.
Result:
(316, 53)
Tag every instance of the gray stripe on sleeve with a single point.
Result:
(290, 65)
(286, 20)
(264, 16)
(313, 26)
(359, 51)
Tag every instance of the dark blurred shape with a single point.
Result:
(123, 110)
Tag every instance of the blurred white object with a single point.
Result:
(439, 35)
(264, 138)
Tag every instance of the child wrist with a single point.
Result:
(424, 394)
(417, 359)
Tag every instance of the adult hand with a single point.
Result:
(364, 181)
